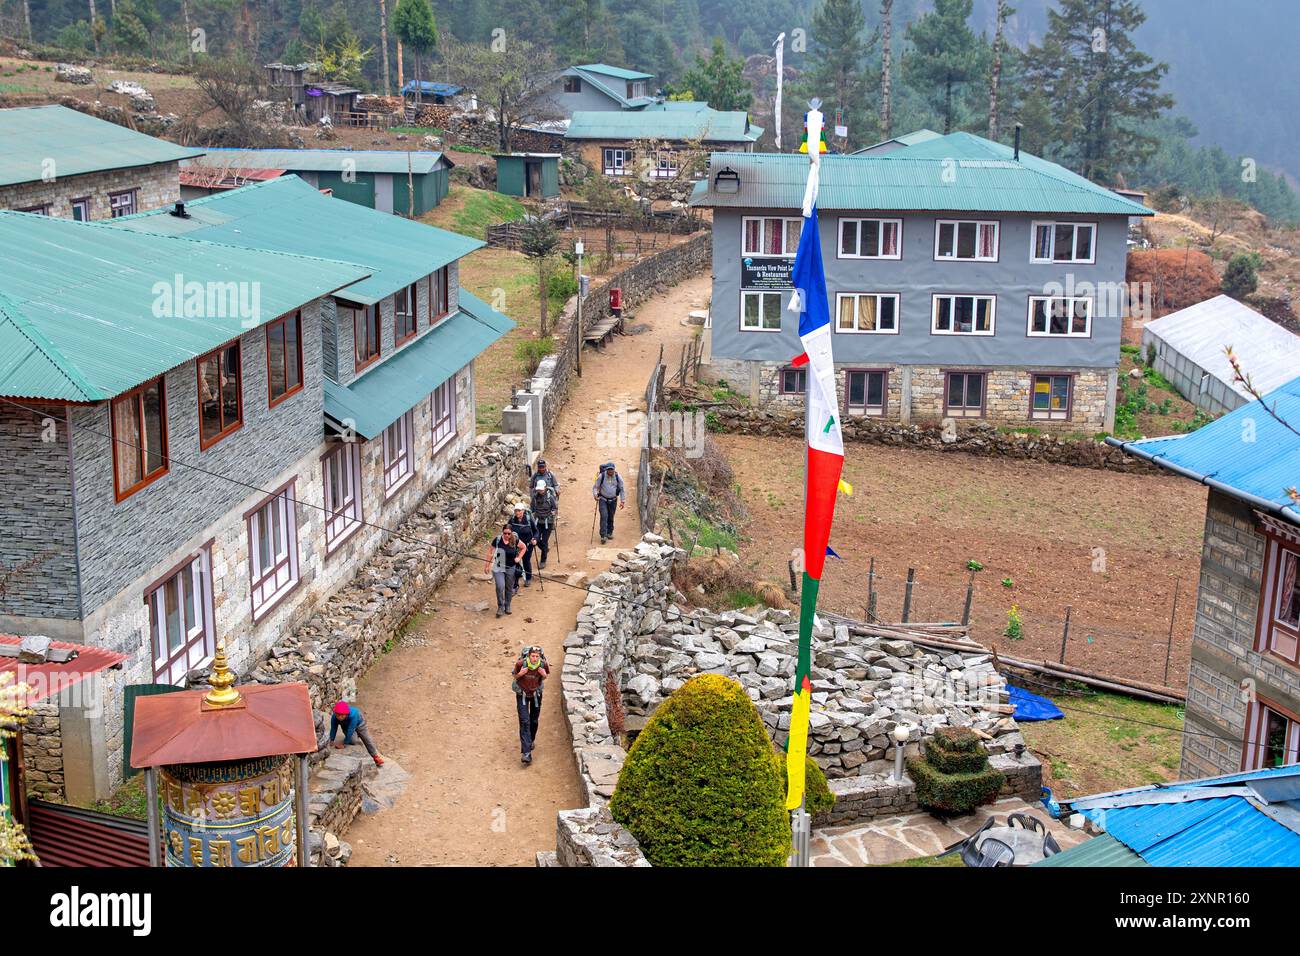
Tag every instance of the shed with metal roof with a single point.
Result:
(1190, 349)
(528, 175)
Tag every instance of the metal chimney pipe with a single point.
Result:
(1017, 146)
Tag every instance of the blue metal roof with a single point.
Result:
(1224, 821)
(437, 89)
(1247, 453)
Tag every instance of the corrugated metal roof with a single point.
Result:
(326, 160)
(385, 393)
(615, 71)
(84, 309)
(48, 680)
(706, 125)
(958, 172)
(289, 215)
(1234, 829)
(1103, 850)
(64, 835)
(1261, 468)
(32, 136)
(214, 177)
(434, 87)
(1201, 332)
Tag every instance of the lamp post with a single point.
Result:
(901, 733)
(577, 325)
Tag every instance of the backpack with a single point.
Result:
(523, 656)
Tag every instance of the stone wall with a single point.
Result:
(642, 280)
(155, 186)
(635, 629)
(43, 753)
(976, 438)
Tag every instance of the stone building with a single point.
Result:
(967, 281)
(57, 161)
(235, 433)
(1243, 690)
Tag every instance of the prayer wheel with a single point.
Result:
(234, 813)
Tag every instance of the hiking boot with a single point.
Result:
(500, 611)
(542, 565)
(528, 582)
(379, 761)
(508, 611)
(526, 758)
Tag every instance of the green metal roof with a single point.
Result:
(383, 394)
(1103, 850)
(958, 172)
(84, 308)
(615, 71)
(327, 160)
(75, 142)
(707, 125)
(289, 215)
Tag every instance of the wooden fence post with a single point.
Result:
(1173, 614)
(907, 596)
(970, 596)
(1065, 633)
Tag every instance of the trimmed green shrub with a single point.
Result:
(954, 776)
(701, 785)
(1240, 278)
(817, 793)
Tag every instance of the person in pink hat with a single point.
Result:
(348, 716)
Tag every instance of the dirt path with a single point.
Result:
(440, 702)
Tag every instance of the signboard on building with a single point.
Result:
(768, 272)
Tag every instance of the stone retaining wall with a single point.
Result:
(977, 439)
(635, 628)
(43, 752)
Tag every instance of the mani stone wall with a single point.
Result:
(1225, 669)
(637, 642)
(640, 281)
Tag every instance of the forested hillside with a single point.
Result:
(1143, 92)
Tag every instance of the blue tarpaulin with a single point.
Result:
(1032, 707)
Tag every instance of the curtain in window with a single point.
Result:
(846, 318)
(774, 233)
(987, 231)
(889, 245)
(867, 313)
(753, 229)
(1290, 604)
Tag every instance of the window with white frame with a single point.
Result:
(1279, 625)
(966, 239)
(618, 162)
(769, 236)
(866, 391)
(1060, 315)
(1272, 737)
(180, 619)
(272, 550)
(870, 238)
(1049, 397)
(121, 204)
(404, 314)
(866, 312)
(1064, 242)
(80, 209)
(398, 439)
(665, 165)
(342, 475)
(963, 314)
(760, 311)
(443, 406)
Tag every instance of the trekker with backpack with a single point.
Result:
(545, 512)
(503, 561)
(525, 529)
(610, 495)
(530, 672)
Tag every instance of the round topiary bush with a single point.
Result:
(817, 795)
(701, 785)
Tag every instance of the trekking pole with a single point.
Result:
(558, 560)
(592, 540)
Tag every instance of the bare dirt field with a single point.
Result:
(1110, 546)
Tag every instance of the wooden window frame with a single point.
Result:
(206, 443)
(934, 312)
(759, 292)
(867, 411)
(1252, 744)
(271, 399)
(442, 299)
(1070, 300)
(120, 494)
(898, 308)
(361, 321)
(1033, 242)
(342, 519)
(956, 224)
(1037, 414)
(80, 201)
(398, 471)
(42, 210)
(780, 379)
(443, 430)
(762, 237)
(573, 84)
(1268, 627)
(839, 237)
(624, 156)
(954, 411)
(205, 632)
(289, 562)
(114, 196)
(412, 294)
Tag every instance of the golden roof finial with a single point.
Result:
(223, 692)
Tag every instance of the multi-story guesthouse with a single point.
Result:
(597, 87)
(57, 161)
(659, 142)
(968, 280)
(208, 417)
(1243, 682)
